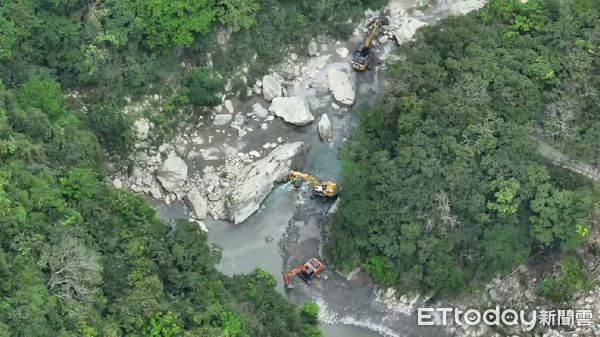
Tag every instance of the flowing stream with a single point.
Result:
(286, 231)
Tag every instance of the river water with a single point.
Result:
(257, 243)
(286, 231)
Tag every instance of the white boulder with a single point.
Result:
(222, 119)
(342, 51)
(271, 88)
(325, 128)
(259, 111)
(258, 179)
(407, 27)
(117, 183)
(313, 48)
(341, 86)
(293, 110)
(173, 174)
(228, 106)
(198, 204)
(142, 126)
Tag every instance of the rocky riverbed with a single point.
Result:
(209, 165)
(227, 170)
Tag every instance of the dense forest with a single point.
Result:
(443, 186)
(80, 258)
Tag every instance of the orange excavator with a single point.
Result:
(307, 271)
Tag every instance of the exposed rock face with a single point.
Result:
(407, 28)
(142, 126)
(313, 48)
(325, 128)
(201, 225)
(293, 110)
(259, 111)
(222, 119)
(341, 86)
(334, 208)
(342, 51)
(271, 88)
(117, 183)
(173, 173)
(228, 106)
(197, 202)
(257, 180)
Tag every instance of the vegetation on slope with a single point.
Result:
(113, 50)
(442, 184)
(80, 258)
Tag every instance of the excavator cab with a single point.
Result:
(362, 59)
(307, 271)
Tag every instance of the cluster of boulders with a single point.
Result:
(233, 190)
(401, 304)
(212, 177)
(518, 291)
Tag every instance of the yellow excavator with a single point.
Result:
(363, 57)
(325, 189)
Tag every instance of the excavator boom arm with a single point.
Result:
(373, 34)
(287, 276)
(294, 174)
(307, 271)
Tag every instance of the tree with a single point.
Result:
(43, 94)
(162, 325)
(557, 213)
(174, 23)
(203, 84)
(570, 280)
(310, 312)
(8, 40)
(112, 127)
(238, 14)
(75, 271)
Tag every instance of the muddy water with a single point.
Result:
(286, 232)
(287, 229)
(255, 244)
(338, 330)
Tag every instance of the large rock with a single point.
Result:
(341, 86)
(222, 119)
(173, 174)
(258, 179)
(334, 208)
(197, 202)
(142, 126)
(229, 106)
(325, 128)
(313, 48)
(259, 111)
(343, 52)
(293, 110)
(271, 88)
(407, 27)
